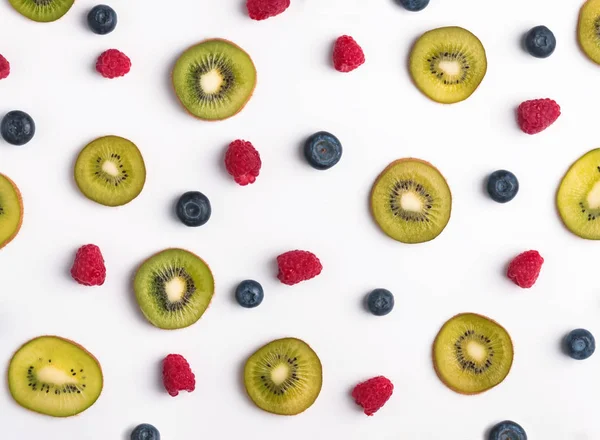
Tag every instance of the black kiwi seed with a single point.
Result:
(404, 186)
(162, 278)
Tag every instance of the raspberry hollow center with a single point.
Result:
(211, 82)
(593, 197)
(411, 202)
(110, 168)
(175, 289)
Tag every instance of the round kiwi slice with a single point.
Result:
(411, 201)
(11, 210)
(110, 171)
(54, 376)
(472, 353)
(448, 64)
(214, 80)
(42, 10)
(588, 29)
(284, 377)
(174, 288)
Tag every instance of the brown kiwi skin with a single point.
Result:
(16, 188)
(71, 342)
(435, 366)
(249, 97)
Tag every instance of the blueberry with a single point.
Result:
(414, 5)
(17, 127)
(380, 302)
(102, 19)
(580, 344)
(322, 150)
(507, 430)
(249, 294)
(502, 186)
(540, 42)
(145, 432)
(193, 208)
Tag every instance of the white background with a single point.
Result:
(379, 116)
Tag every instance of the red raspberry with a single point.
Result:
(177, 375)
(88, 268)
(347, 54)
(113, 63)
(4, 67)
(525, 269)
(373, 394)
(263, 9)
(538, 114)
(243, 162)
(297, 266)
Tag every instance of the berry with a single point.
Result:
(17, 127)
(380, 302)
(322, 150)
(88, 268)
(4, 67)
(507, 430)
(113, 63)
(414, 5)
(373, 394)
(347, 54)
(177, 375)
(102, 19)
(297, 266)
(263, 9)
(145, 432)
(525, 268)
(580, 344)
(540, 42)
(193, 208)
(536, 115)
(502, 186)
(242, 162)
(249, 294)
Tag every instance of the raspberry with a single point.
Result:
(373, 394)
(347, 54)
(113, 63)
(263, 9)
(242, 162)
(525, 268)
(88, 268)
(177, 375)
(538, 114)
(4, 67)
(297, 266)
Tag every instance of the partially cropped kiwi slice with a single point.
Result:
(472, 353)
(174, 288)
(411, 201)
(11, 210)
(54, 376)
(42, 10)
(214, 79)
(448, 64)
(110, 171)
(284, 377)
(588, 29)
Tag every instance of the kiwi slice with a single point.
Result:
(588, 29)
(284, 377)
(54, 376)
(11, 210)
(411, 201)
(472, 353)
(448, 64)
(110, 171)
(214, 80)
(174, 288)
(42, 10)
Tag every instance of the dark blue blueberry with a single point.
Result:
(507, 430)
(380, 302)
(249, 294)
(102, 19)
(322, 150)
(193, 208)
(17, 127)
(540, 42)
(414, 5)
(145, 432)
(580, 344)
(502, 186)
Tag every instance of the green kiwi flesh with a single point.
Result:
(588, 29)
(54, 376)
(214, 79)
(411, 201)
(11, 210)
(284, 377)
(174, 288)
(110, 171)
(42, 10)
(448, 64)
